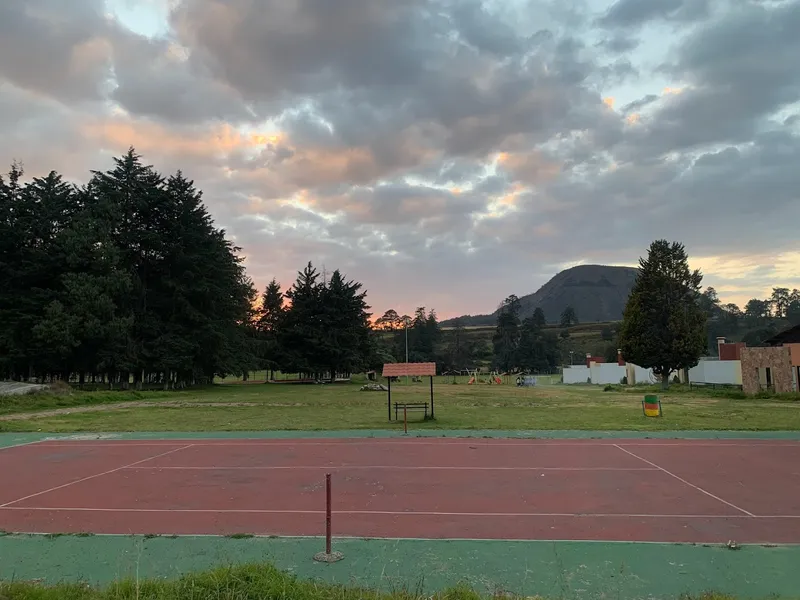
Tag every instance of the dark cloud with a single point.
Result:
(55, 48)
(619, 44)
(154, 79)
(308, 45)
(633, 13)
(739, 70)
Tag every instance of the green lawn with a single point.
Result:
(247, 582)
(254, 406)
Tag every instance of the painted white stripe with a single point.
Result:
(36, 442)
(385, 467)
(58, 487)
(682, 480)
(391, 513)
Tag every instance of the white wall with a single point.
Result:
(717, 371)
(639, 375)
(576, 374)
(607, 373)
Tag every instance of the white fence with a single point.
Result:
(576, 374)
(639, 375)
(607, 373)
(717, 371)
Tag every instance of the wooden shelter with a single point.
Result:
(391, 370)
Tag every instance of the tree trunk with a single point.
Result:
(665, 380)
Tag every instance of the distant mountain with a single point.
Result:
(596, 292)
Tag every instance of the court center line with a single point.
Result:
(682, 480)
(58, 487)
(382, 467)
(389, 513)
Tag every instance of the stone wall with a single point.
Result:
(779, 362)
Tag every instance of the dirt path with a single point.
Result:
(121, 405)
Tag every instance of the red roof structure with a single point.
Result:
(413, 369)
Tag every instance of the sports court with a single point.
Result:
(659, 490)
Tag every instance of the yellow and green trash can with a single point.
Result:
(651, 406)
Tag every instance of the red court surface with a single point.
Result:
(703, 491)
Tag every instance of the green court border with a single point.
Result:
(568, 570)
(14, 439)
(563, 570)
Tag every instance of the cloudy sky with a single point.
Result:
(444, 152)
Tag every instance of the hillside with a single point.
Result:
(598, 293)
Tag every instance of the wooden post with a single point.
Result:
(432, 397)
(389, 383)
(405, 420)
(329, 555)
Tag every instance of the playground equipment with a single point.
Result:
(494, 377)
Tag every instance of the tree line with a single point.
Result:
(758, 320)
(525, 346)
(125, 278)
(318, 327)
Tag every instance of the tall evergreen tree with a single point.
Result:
(663, 325)
(302, 327)
(270, 321)
(568, 317)
(507, 334)
(124, 277)
(422, 335)
(537, 351)
(345, 336)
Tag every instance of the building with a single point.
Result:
(775, 366)
(789, 340)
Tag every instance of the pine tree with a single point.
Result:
(568, 317)
(302, 327)
(507, 334)
(663, 326)
(421, 336)
(533, 352)
(270, 322)
(345, 336)
(126, 275)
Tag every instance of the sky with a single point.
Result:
(445, 153)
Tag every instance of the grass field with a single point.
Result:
(255, 406)
(247, 582)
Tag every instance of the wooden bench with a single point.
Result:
(410, 406)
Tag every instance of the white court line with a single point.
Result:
(58, 487)
(385, 467)
(681, 479)
(33, 443)
(258, 511)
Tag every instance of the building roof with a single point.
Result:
(413, 369)
(788, 336)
